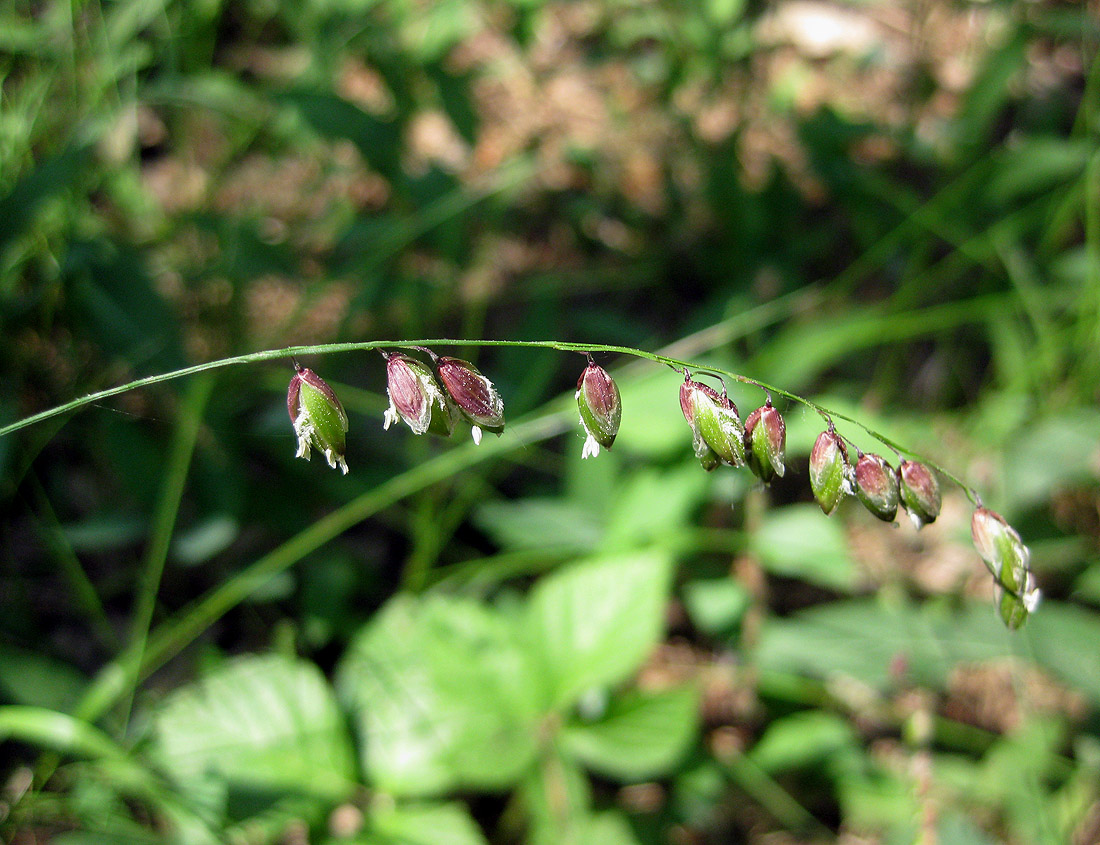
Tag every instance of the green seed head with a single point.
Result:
(416, 397)
(920, 492)
(766, 442)
(714, 423)
(600, 408)
(319, 419)
(474, 395)
(829, 470)
(877, 486)
(1009, 560)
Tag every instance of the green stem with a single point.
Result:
(53, 538)
(59, 732)
(176, 634)
(164, 522)
(581, 348)
(770, 794)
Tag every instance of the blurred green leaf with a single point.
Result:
(803, 739)
(1058, 451)
(1086, 587)
(955, 829)
(441, 697)
(798, 542)
(991, 90)
(266, 727)
(203, 541)
(378, 140)
(558, 798)
(1034, 165)
(38, 680)
(1066, 640)
(422, 824)
(105, 533)
(114, 301)
(653, 425)
(84, 837)
(608, 828)
(873, 641)
(538, 523)
(715, 605)
(454, 92)
(652, 505)
(593, 623)
(50, 177)
(642, 735)
(885, 644)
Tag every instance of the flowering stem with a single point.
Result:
(583, 348)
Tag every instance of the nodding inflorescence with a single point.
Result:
(434, 398)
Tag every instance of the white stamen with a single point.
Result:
(304, 429)
(591, 448)
(335, 461)
(391, 416)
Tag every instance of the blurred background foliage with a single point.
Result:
(892, 207)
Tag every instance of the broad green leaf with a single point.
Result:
(425, 824)
(798, 542)
(653, 425)
(38, 680)
(85, 837)
(557, 798)
(871, 641)
(802, 739)
(538, 523)
(1086, 586)
(642, 735)
(653, 504)
(1052, 456)
(441, 697)
(264, 726)
(593, 623)
(955, 829)
(715, 605)
(608, 828)
(1066, 640)
(698, 790)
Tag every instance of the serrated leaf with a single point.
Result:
(441, 697)
(264, 727)
(593, 623)
(642, 735)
